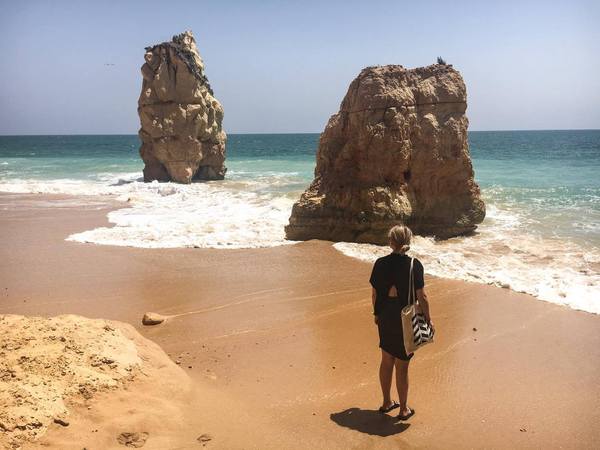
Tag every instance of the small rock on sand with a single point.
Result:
(204, 438)
(151, 318)
(136, 440)
(61, 421)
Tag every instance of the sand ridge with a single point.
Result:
(51, 366)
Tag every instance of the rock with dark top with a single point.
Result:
(396, 152)
(151, 318)
(61, 421)
(181, 133)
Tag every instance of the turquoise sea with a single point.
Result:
(541, 188)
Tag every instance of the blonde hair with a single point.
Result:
(400, 236)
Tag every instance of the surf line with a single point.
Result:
(327, 294)
(226, 305)
(252, 299)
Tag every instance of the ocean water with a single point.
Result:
(542, 191)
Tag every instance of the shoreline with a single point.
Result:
(285, 334)
(360, 252)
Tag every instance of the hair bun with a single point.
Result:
(400, 236)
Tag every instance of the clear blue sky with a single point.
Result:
(281, 66)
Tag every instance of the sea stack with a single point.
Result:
(181, 133)
(396, 152)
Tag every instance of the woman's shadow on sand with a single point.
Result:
(369, 421)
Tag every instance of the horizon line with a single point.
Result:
(285, 133)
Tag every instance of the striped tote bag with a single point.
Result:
(416, 331)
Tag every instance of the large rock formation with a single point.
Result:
(396, 152)
(182, 137)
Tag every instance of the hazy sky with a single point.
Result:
(280, 66)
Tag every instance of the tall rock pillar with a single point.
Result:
(181, 133)
(396, 152)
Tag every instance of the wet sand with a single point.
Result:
(282, 348)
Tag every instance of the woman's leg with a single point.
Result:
(386, 368)
(402, 384)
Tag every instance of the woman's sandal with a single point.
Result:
(393, 406)
(407, 416)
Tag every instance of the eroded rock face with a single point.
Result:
(181, 133)
(396, 152)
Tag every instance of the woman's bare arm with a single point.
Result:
(373, 299)
(422, 298)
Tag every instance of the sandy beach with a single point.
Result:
(203, 205)
(281, 350)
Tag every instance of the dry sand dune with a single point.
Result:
(70, 381)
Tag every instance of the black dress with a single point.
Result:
(388, 271)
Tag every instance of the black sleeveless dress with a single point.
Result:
(388, 271)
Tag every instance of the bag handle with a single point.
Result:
(411, 291)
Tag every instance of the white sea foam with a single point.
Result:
(228, 214)
(248, 213)
(105, 184)
(501, 254)
(200, 215)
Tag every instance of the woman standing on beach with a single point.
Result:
(389, 280)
